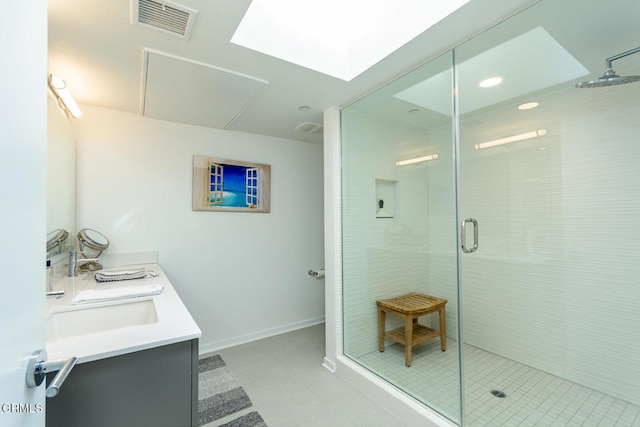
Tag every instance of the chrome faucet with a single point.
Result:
(56, 294)
(74, 261)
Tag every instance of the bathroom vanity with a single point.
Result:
(137, 357)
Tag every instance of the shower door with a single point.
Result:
(399, 230)
(515, 200)
(550, 173)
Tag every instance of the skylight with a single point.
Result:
(336, 37)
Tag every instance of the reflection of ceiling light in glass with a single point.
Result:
(514, 138)
(527, 74)
(417, 160)
(491, 82)
(336, 37)
(528, 105)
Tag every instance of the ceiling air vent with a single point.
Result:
(308, 127)
(163, 15)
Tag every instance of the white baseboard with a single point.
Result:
(329, 365)
(258, 335)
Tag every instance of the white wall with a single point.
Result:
(243, 276)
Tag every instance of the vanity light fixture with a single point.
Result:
(417, 160)
(514, 138)
(63, 96)
(491, 82)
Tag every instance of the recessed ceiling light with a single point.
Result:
(413, 111)
(336, 37)
(528, 105)
(304, 108)
(491, 82)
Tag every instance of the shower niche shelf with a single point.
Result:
(386, 198)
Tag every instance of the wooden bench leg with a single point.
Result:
(443, 329)
(408, 339)
(381, 320)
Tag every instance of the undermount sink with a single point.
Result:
(84, 320)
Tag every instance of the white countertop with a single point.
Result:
(174, 322)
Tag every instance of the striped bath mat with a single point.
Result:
(220, 395)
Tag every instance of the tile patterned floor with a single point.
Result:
(288, 386)
(533, 397)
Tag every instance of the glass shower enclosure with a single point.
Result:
(543, 325)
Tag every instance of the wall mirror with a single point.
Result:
(61, 179)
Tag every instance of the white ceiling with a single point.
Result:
(208, 81)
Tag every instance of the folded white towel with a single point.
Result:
(102, 295)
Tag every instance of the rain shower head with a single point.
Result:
(610, 78)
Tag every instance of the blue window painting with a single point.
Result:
(231, 185)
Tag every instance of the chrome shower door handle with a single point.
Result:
(463, 235)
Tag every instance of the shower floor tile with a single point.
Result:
(533, 397)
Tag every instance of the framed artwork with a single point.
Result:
(225, 185)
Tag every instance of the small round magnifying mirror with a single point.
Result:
(55, 240)
(95, 241)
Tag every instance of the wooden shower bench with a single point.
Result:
(410, 307)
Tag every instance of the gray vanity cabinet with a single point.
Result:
(155, 387)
